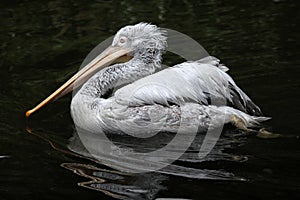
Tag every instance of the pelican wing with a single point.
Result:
(204, 81)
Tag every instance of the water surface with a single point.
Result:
(43, 43)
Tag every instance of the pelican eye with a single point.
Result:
(123, 40)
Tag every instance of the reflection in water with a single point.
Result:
(121, 185)
(4, 156)
(117, 184)
(97, 147)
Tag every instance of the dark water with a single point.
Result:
(43, 43)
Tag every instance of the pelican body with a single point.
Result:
(146, 99)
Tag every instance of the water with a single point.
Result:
(43, 43)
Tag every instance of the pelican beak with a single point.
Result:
(109, 56)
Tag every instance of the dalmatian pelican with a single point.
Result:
(123, 90)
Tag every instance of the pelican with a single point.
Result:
(146, 99)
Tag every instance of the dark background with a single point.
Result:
(42, 43)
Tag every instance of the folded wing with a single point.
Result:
(204, 81)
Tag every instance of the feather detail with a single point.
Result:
(203, 81)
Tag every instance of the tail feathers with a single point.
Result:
(238, 98)
(248, 120)
(242, 102)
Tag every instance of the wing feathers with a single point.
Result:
(204, 81)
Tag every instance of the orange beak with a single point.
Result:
(109, 56)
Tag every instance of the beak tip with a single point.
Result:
(28, 113)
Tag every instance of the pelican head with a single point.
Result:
(143, 42)
(142, 39)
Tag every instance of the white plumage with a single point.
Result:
(198, 93)
(185, 82)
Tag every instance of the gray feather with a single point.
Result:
(201, 81)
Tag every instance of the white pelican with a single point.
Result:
(146, 101)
